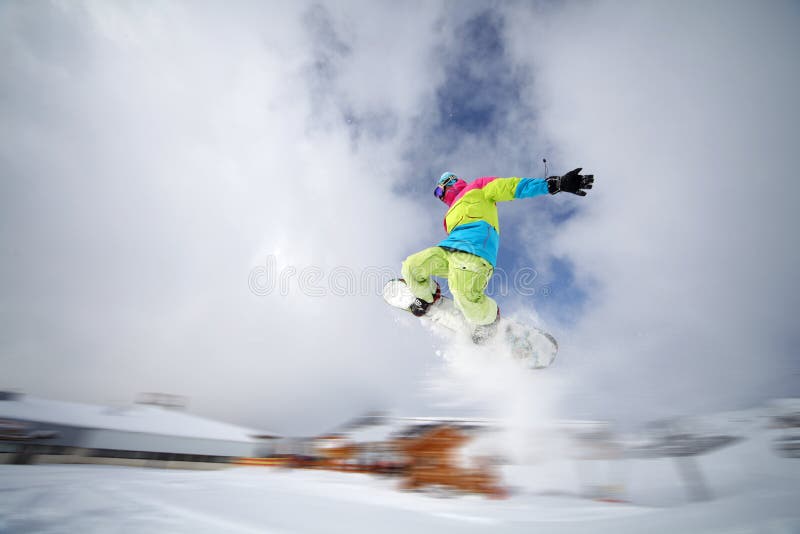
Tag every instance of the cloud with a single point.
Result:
(686, 116)
(155, 155)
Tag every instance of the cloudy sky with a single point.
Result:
(199, 198)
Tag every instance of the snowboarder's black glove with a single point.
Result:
(572, 182)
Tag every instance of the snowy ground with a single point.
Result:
(755, 491)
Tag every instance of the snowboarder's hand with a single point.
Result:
(572, 182)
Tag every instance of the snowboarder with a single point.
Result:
(467, 257)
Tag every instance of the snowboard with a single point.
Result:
(534, 347)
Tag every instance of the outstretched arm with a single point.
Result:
(504, 189)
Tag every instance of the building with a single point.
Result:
(34, 430)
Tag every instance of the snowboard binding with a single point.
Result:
(484, 332)
(420, 307)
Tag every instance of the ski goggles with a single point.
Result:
(441, 189)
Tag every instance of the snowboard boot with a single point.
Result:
(484, 332)
(420, 307)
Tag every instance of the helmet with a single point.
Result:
(448, 179)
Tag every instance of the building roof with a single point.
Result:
(134, 418)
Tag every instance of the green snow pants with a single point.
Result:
(467, 274)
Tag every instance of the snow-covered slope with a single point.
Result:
(753, 490)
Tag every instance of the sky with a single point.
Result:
(201, 199)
